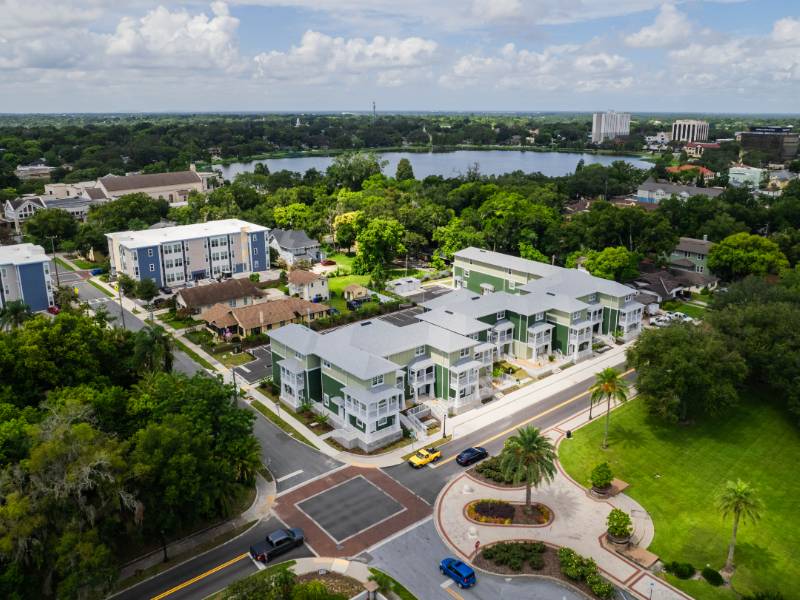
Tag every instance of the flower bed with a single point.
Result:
(537, 558)
(335, 583)
(488, 471)
(500, 512)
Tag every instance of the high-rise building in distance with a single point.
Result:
(608, 125)
(689, 130)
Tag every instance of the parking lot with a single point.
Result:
(403, 318)
(428, 293)
(257, 369)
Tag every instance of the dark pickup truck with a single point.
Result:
(276, 543)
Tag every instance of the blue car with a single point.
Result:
(471, 455)
(459, 572)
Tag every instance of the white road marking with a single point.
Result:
(259, 565)
(288, 476)
(243, 368)
(446, 583)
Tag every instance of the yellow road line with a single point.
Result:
(526, 421)
(455, 595)
(199, 577)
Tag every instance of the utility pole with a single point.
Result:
(121, 310)
(52, 239)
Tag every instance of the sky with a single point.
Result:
(405, 55)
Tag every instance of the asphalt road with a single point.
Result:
(214, 581)
(413, 559)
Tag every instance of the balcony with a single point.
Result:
(584, 336)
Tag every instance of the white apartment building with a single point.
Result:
(608, 125)
(689, 130)
(173, 256)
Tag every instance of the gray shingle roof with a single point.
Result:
(292, 238)
(671, 188)
(230, 289)
(687, 244)
(453, 321)
(149, 180)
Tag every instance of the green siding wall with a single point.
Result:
(561, 338)
(610, 320)
(276, 369)
(331, 386)
(520, 326)
(442, 381)
(475, 279)
(389, 423)
(314, 385)
(353, 422)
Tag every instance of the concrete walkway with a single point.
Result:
(259, 509)
(579, 522)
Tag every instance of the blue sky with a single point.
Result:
(306, 55)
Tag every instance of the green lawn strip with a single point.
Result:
(229, 359)
(344, 261)
(85, 264)
(397, 587)
(337, 284)
(63, 264)
(264, 410)
(262, 573)
(101, 288)
(694, 311)
(676, 473)
(193, 355)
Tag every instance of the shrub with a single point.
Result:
(575, 566)
(619, 523)
(680, 570)
(514, 555)
(600, 586)
(536, 561)
(490, 468)
(712, 576)
(764, 596)
(602, 476)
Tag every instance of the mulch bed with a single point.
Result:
(539, 514)
(335, 583)
(551, 568)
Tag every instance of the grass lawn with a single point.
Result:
(65, 266)
(85, 264)
(264, 573)
(172, 319)
(101, 288)
(694, 311)
(676, 473)
(343, 261)
(229, 359)
(398, 589)
(337, 284)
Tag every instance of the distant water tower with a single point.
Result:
(374, 112)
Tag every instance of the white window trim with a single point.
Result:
(377, 380)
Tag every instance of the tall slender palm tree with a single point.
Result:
(530, 457)
(740, 500)
(14, 314)
(153, 349)
(609, 385)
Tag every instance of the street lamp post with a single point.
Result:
(52, 239)
(121, 310)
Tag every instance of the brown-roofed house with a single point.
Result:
(354, 291)
(174, 187)
(307, 285)
(264, 317)
(232, 292)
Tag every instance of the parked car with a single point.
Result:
(276, 543)
(165, 290)
(53, 310)
(471, 456)
(424, 456)
(97, 271)
(458, 571)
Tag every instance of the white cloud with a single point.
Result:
(564, 67)
(670, 27)
(786, 30)
(320, 58)
(177, 39)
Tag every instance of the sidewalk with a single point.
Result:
(579, 522)
(261, 508)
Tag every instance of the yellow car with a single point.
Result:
(424, 456)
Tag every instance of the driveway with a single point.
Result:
(257, 369)
(428, 293)
(413, 559)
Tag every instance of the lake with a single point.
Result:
(451, 164)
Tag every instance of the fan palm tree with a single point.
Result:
(153, 349)
(740, 500)
(14, 314)
(609, 385)
(530, 457)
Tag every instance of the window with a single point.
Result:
(463, 352)
(255, 264)
(150, 252)
(501, 315)
(152, 268)
(592, 298)
(419, 350)
(576, 316)
(512, 285)
(629, 298)
(255, 251)
(381, 422)
(299, 356)
(378, 380)
(326, 364)
(466, 273)
(540, 316)
(698, 268)
(382, 405)
(215, 243)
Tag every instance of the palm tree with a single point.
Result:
(741, 501)
(152, 349)
(608, 385)
(530, 457)
(14, 314)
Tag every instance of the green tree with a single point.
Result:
(528, 457)
(153, 349)
(457, 235)
(686, 371)
(13, 314)
(609, 385)
(51, 222)
(351, 169)
(740, 501)
(617, 264)
(293, 216)
(743, 254)
(120, 214)
(346, 227)
(379, 243)
(404, 170)
(526, 250)
(146, 289)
